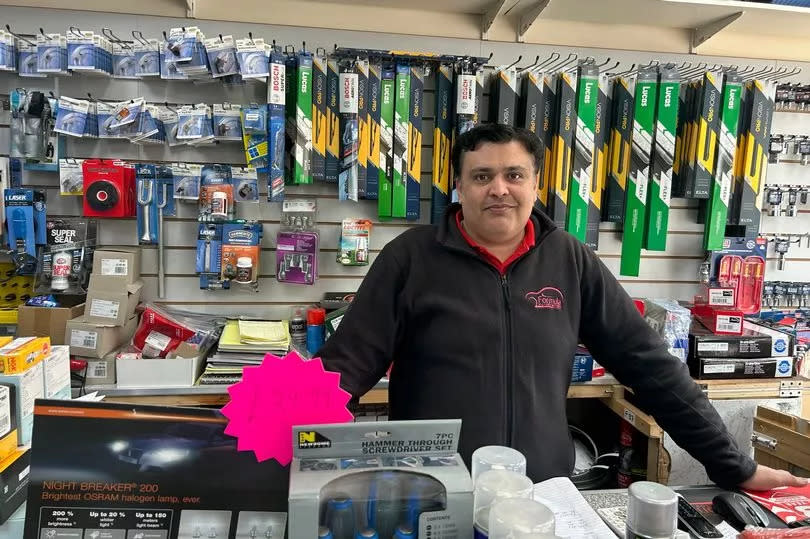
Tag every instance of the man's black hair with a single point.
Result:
(498, 134)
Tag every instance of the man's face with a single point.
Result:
(497, 189)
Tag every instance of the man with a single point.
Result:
(482, 314)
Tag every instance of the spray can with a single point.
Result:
(316, 319)
(60, 270)
(298, 328)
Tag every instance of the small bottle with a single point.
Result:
(316, 318)
(60, 270)
(219, 204)
(298, 328)
(244, 270)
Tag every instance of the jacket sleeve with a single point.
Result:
(619, 338)
(362, 348)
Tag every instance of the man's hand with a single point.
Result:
(766, 478)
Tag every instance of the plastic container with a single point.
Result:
(652, 511)
(518, 517)
(494, 485)
(298, 328)
(496, 457)
(244, 270)
(61, 270)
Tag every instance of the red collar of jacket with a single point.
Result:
(523, 247)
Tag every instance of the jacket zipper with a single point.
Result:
(508, 361)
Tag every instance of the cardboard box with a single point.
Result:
(56, 373)
(734, 368)
(49, 321)
(139, 373)
(112, 306)
(781, 342)
(705, 344)
(28, 386)
(20, 354)
(114, 267)
(14, 476)
(9, 435)
(716, 295)
(419, 457)
(719, 320)
(100, 372)
(96, 341)
(582, 369)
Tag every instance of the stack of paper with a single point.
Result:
(244, 343)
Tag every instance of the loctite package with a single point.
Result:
(584, 145)
(442, 138)
(638, 177)
(717, 208)
(412, 483)
(386, 171)
(414, 160)
(660, 189)
(109, 188)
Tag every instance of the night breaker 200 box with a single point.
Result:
(400, 479)
(147, 472)
(771, 367)
(705, 344)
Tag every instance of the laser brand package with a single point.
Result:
(348, 171)
(386, 171)
(584, 145)
(660, 188)
(400, 479)
(717, 209)
(374, 115)
(621, 136)
(209, 256)
(639, 174)
(319, 116)
(402, 103)
(414, 160)
(25, 226)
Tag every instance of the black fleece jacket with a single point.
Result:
(497, 351)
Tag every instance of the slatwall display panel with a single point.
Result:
(672, 273)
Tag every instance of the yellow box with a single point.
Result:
(22, 353)
(5, 340)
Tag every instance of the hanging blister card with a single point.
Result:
(105, 115)
(126, 112)
(81, 51)
(276, 100)
(302, 150)
(347, 177)
(70, 177)
(373, 107)
(414, 161)
(8, 51)
(147, 125)
(170, 119)
(254, 134)
(216, 193)
(332, 121)
(290, 70)
(91, 124)
(227, 121)
(180, 45)
(442, 136)
(245, 184)
(147, 57)
(197, 66)
(52, 53)
(252, 56)
(221, 52)
(361, 66)
(72, 116)
(125, 63)
(186, 179)
(147, 210)
(319, 108)
(190, 122)
(27, 59)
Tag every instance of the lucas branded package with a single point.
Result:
(386, 479)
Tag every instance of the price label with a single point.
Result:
(278, 394)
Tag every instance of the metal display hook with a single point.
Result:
(572, 57)
(20, 36)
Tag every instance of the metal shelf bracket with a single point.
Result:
(488, 18)
(529, 17)
(705, 32)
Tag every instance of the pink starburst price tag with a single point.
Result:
(275, 396)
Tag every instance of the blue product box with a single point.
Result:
(582, 369)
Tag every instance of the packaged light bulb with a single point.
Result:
(227, 122)
(221, 52)
(125, 61)
(72, 116)
(27, 59)
(147, 57)
(253, 58)
(52, 53)
(245, 184)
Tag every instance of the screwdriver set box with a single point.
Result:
(733, 277)
(403, 479)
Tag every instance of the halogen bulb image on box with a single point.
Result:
(147, 472)
(387, 479)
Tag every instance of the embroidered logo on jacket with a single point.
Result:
(546, 298)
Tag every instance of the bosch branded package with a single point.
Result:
(386, 479)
